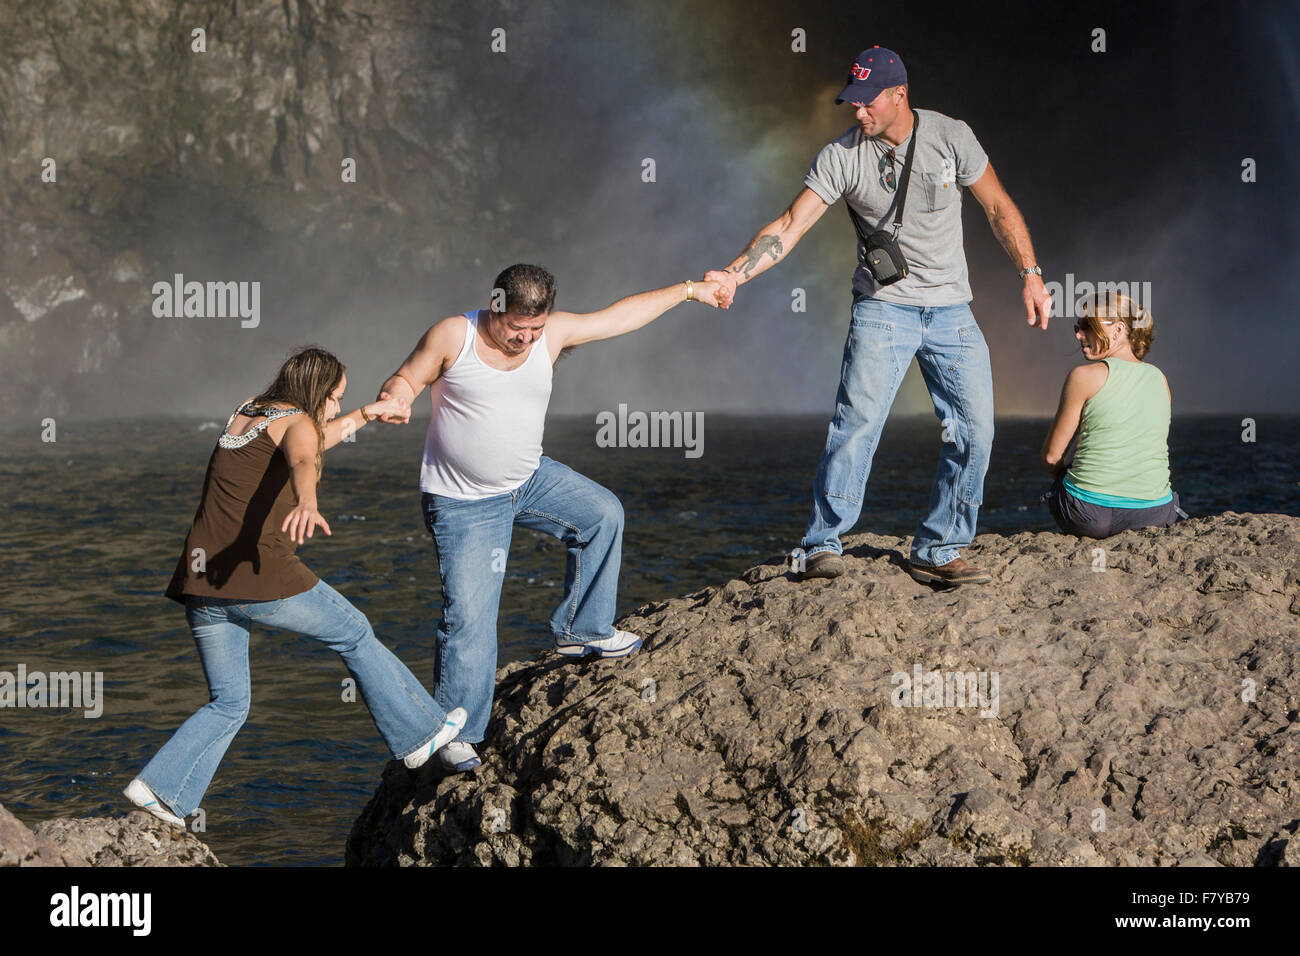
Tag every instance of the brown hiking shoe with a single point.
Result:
(823, 564)
(956, 571)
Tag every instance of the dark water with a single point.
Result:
(94, 523)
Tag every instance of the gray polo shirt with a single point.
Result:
(948, 157)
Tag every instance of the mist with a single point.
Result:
(225, 166)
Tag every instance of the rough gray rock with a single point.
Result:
(1124, 734)
(136, 839)
(19, 846)
(1282, 848)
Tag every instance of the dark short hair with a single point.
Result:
(530, 290)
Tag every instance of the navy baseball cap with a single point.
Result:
(874, 70)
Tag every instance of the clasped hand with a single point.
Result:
(710, 293)
(391, 409)
(725, 283)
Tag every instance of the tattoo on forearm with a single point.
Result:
(763, 245)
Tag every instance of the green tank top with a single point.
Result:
(1123, 449)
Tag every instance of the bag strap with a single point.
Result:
(907, 173)
(859, 226)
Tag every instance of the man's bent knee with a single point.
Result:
(609, 513)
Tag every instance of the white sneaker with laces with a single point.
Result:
(620, 645)
(453, 725)
(138, 792)
(458, 757)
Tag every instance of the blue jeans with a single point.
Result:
(954, 360)
(473, 539)
(402, 709)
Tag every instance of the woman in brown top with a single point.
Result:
(238, 569)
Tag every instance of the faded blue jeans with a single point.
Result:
(954, 361)
(402, 709)
(473, 539)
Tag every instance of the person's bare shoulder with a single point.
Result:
(300, 422)
(1090, 372)
(559, 329)
(1087, 379)
(449, 329)
(436, 350)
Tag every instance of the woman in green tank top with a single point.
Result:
(1114, 415)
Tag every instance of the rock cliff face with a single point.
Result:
(136, 839)
(1147, 713)
(226, 161)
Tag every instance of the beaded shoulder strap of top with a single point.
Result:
(239, 441)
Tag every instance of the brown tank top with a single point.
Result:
(246, 495)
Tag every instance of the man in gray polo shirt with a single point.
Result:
(926, 314)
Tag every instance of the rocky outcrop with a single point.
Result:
(19, 846)
(136, 839)
(1132, 701)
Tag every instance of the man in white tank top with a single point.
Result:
(489, 378)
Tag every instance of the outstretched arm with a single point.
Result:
(337, 429)
(772, 244)
(1009, 226)
(423, 366)
(626, 315)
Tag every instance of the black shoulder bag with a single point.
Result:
(880, 252)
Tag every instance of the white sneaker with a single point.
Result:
(138, 792)
(453, 725)
(620, 645)
(458, 757)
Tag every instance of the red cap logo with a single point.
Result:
(860, 72)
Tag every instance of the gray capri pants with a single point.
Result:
(1083, 518)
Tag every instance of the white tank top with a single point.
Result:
(485, 435)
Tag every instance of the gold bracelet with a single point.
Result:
(366, 418)
(690, 290)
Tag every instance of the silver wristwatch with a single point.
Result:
(1032, 270)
